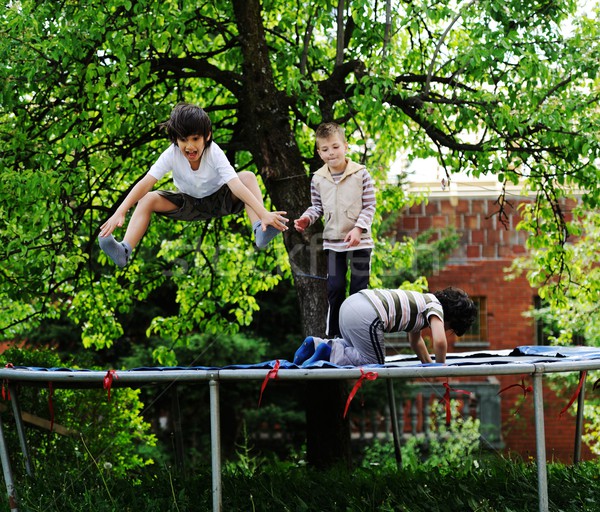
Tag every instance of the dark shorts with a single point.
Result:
(219, 204)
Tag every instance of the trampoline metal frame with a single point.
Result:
(133, 378)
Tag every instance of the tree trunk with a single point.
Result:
(265, 122)
(327, 431)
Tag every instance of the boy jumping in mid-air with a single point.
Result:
(366, 315)
(207, 187)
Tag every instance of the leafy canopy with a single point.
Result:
(485, 87)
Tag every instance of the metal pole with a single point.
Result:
(16, 406)
(215, 442)
(6, 469)
(540, 441)
(177, 429)
(579, 421)
(394, 415)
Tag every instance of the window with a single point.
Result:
(477, 335)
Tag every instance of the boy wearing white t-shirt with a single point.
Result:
(207, 187)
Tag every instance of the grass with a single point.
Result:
(498, 484)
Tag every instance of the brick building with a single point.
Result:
(479, 266)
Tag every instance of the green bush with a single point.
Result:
(106, 434)
(191, 400)
(451, 448)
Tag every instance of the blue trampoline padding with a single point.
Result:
(568, 352)
(524, 353)
(53, 369)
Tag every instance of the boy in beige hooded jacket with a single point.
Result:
(342, 193)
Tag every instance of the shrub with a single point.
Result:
(108, 434)
(450, 448)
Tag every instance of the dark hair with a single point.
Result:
(459, 310)
(187, 119)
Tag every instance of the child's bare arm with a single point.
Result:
(117, 219)
(418, 345)
(438, 335)
(275, 219)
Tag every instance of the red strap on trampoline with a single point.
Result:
(108, 380)
(575, 395)
(5, 389)
(358, 384)
(51, 404)
(526, 389)
(446, 400)
(271, 375)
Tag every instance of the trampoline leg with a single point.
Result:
(215, 442)
(177, 429)
(16, 406)
(6, 469)
(394, 415)
(540, 439)
(579, 421)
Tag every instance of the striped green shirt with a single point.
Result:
(401, 310)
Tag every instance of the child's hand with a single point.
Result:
(353, 237)
(301, 224)
(275, 219)
(116, 221)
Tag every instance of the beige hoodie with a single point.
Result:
(342, 202)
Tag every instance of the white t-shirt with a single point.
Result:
(214, 172)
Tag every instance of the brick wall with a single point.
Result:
(478, 266)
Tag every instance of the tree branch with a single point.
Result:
(439, 44)
(339, 50)
(199, 68)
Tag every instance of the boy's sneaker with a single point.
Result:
(119, 252)
(322, 353)
(306, 350)
(263, 237)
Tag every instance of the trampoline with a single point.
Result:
(523, 360)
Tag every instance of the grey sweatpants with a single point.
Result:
(362, 334)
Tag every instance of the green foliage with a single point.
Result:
(451, 449)
(203, 350)
(391, 257)
(591, 436)
(570, 303)
(565, 386)
(190, 401)
(496, 485)
(429, 252)
(482, 86)
(245, 462)
(454, 447)
(105, 435)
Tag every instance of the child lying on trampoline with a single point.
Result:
(366, 315)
